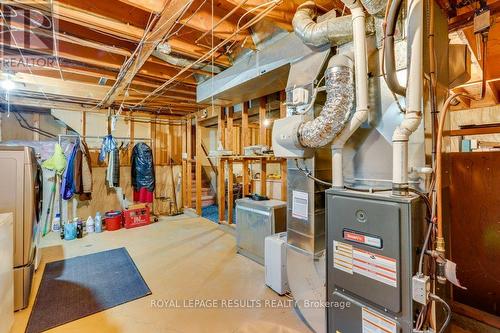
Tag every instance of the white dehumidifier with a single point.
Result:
(275, 263)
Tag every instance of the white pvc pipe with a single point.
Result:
(337, 161)
(413, 114)
(361, 80)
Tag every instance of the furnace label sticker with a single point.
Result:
(357, 237)
(300, 205)
(374, 266)
(375, 323)
(342, 257)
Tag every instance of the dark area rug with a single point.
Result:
(78, 287)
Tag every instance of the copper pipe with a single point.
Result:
(438, 172)
(432, 80)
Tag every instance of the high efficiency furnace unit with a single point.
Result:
(373, 242)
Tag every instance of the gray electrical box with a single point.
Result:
(372, 247)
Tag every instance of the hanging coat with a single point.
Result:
(110, 148)
(68, 181)
(143, 171)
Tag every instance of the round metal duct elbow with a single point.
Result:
(339, 102)
(335, 31)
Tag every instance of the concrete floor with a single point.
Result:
(179, 259)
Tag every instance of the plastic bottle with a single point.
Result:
(98, 222)
(69, 230)
(90, 226)
(56, 223)
(79, 228)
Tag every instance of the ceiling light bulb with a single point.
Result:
(266, 122)
(8, 85)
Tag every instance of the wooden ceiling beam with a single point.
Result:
(186, 48)
(53, 86)
(154, 6)
(168, 17)
(98, 58)
(62, 11)
(201, 20)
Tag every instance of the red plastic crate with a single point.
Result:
(136, 217)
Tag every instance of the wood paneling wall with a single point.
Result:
(473, 207)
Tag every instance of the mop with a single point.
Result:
(56, 162)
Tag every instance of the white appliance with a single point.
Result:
(275, 263)
(6, 272)
(21, 194)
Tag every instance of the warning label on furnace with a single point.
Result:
(375, 323)
(356, 261)
(342, 256)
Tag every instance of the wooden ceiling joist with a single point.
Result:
(168, 17)
(154, 6)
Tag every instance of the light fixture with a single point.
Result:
(8, 84)
(266, 122)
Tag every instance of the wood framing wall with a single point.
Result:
(235, 137)
(168, 141)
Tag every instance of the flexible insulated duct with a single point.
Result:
(339, 102)
(375, 7)
(336, 31)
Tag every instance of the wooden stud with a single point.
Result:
(230, 194)
(221, 127)
(36, 124)
(263, 177)
(284, 187)
(221, 190)
(189, 150)
(246, 179)
(245, 133)
(184, 165)
(199, 154)
(283, 166)
(262, 117)
(230, 128)
(282, 104)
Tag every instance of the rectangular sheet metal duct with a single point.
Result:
(257, 74)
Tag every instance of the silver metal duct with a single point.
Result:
(163, 52)
(375, 7)
(336, 31)
(336, 111)
(259, 73)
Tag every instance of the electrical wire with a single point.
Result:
(447, 309)
(308, 174)
(209, 54)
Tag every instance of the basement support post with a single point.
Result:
(245, 133)
(283, 164)
(230, 129)
(262, 118)
(221, 190)
(189, 151)
(230, 194)
(199, 154)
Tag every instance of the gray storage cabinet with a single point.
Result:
(255, 220)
